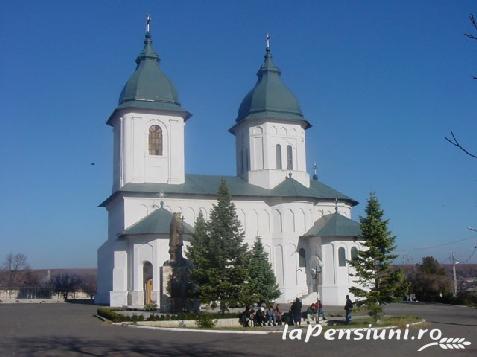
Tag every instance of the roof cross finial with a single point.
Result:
(315, 173)
(148, 25)
(267, 42)
(336, 204)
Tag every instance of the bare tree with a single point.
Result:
(65, 284)
(452, 139)
(88, 285)
(472, 36)
(13, 265)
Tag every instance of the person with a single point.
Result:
(251, 317)
(296, 312)
(270, 315)
(348, 308)
(259, 317)
(278, 315)
(245, 317)
(310, 315)
(314, 311)
(320, 311)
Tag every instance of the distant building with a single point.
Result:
(305, 225)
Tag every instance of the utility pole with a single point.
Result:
(454, 263)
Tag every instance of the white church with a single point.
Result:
(305, 225)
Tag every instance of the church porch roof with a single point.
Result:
(334, 225)
(157, 222)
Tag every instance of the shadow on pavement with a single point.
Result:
(73, 346)
(451, 323)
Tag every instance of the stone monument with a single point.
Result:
(176, 271)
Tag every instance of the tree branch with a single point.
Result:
(473, 21)
(453, 140)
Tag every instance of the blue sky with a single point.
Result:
(381, 81)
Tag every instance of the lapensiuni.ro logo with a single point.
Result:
(371, 333)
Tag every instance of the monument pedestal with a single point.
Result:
(166, 275)
(175, 283)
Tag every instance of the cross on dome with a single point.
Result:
(148, 24)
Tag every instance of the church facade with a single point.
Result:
(305, 225)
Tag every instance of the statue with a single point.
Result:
(176, 240)
(176, 271)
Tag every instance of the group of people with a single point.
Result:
(263, 315)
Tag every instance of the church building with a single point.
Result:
(305, 225)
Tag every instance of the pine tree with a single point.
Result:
(260, 285)
(219, 254)
(199, 253)
(377, 283)
(227, 237)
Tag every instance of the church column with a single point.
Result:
(156, 274)
(118, 294)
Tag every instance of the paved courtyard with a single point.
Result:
(69, 330)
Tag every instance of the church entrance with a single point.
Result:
(148, 288)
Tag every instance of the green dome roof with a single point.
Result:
(148, 87)
(270, 98)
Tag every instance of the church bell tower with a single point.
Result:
(270, 131)
(148, 125)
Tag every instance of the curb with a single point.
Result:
(101, 318)
(198, 330)
(238, 332)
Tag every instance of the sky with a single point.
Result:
(382, 82)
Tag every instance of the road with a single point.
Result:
(71, 330)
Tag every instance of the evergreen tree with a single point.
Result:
(430, 280)
(199, 253)
(260, 285)
(377, 283)
(219, 254)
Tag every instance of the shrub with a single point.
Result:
(111, 315)
(150, 307)
(205, 321)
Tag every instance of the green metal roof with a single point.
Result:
(270, 98)
(207, 185)
(148, 87)
(157, 222)
(334, 225)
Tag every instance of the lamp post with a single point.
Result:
(454, 263)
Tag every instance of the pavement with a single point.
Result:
(72, 330)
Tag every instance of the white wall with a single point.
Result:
(131, 159)
(278, 222)
(258, 141)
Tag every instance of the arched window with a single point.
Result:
(241, 161)
(302, 258)
(354, 253)
(341, 257)
(278, 154)
(289, 157)
(247, 162)
(155, 140)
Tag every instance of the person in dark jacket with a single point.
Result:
(296, 312)
(348, 308)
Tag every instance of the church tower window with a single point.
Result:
(289, 157)
(155, 140)
(247, 162)
(302, 258)
(278, 154)
(341, 257)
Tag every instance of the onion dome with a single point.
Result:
(270, 98)
(148, 87)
